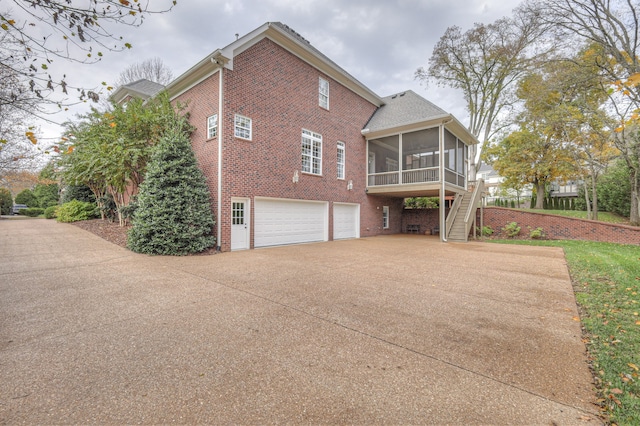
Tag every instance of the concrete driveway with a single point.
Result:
(387, 330)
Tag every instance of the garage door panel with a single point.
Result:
(279, 222)
(345, 221)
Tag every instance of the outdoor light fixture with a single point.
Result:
(350, 185)
(296, 178)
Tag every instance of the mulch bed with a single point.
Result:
(116, 234)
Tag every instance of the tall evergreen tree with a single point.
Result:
(174, 215)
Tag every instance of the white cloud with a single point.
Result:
(379, 42)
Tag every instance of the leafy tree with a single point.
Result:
(422, 202)
(78, 33)
(6, 201)
(562, 121)
(528, 156)
(614, 191)
(35, 34)
(485, 63)
(174, 215)
(77, 192)
(109, 151)
(578, 93)
(28, 198)
(46, 194)
(614, 26)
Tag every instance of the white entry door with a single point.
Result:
(239, 224)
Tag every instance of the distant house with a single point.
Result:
(494, 188)
(565, 189)
(295, 149)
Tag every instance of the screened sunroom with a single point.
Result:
(412, 158)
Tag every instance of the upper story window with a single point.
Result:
(323, 93)
(242, 126)
(340, 160)
(212, 126)
(311, 152)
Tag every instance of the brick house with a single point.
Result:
(295, 149)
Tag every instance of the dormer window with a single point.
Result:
(323, 93)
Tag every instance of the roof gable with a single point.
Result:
(286, 38)
(142, 88)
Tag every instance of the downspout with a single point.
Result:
(220, 136)
(443, 220)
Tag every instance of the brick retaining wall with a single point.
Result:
(555, 227)
(561, 228)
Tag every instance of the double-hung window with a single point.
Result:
(242, 127)
(323, 93)
(311, 152)
(212, 126)
(340, 160)
(385, 217)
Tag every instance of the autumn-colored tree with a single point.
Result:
(485, 63)
(109, 151)
(614, 26)
(529, 156)
(36, 35)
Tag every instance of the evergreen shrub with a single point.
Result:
(75, 211)
(173, 214)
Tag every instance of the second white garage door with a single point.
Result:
(346, 223)
(279, 222)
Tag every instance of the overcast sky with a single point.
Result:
(379, 42)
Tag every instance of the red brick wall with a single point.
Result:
(279, 93)
(426, 218)
(202, 102)
(561, 228)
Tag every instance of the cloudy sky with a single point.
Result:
(380, 42)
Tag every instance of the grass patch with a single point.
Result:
(606, 281)
(602, 216)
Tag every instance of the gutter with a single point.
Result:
(220, 136)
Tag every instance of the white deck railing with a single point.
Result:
(429, 174)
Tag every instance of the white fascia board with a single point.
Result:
(462, 132)
(194, 75)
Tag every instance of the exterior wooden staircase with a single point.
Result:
(463, 212)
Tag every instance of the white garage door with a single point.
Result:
(279, 222)
(345, 221)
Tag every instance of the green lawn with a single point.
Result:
(606, 281)
(602, 216)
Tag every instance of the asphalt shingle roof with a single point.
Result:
(401, 109)
(145, 87)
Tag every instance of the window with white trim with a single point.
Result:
(340, 160)
(212, 126)
(242, 127)
(323, 93)
(311, 152)
(385, 217)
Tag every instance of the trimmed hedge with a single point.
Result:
(75, 211)
(31, 212)
(51, 212)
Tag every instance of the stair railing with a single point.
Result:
(473, 205)
(453, 212)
